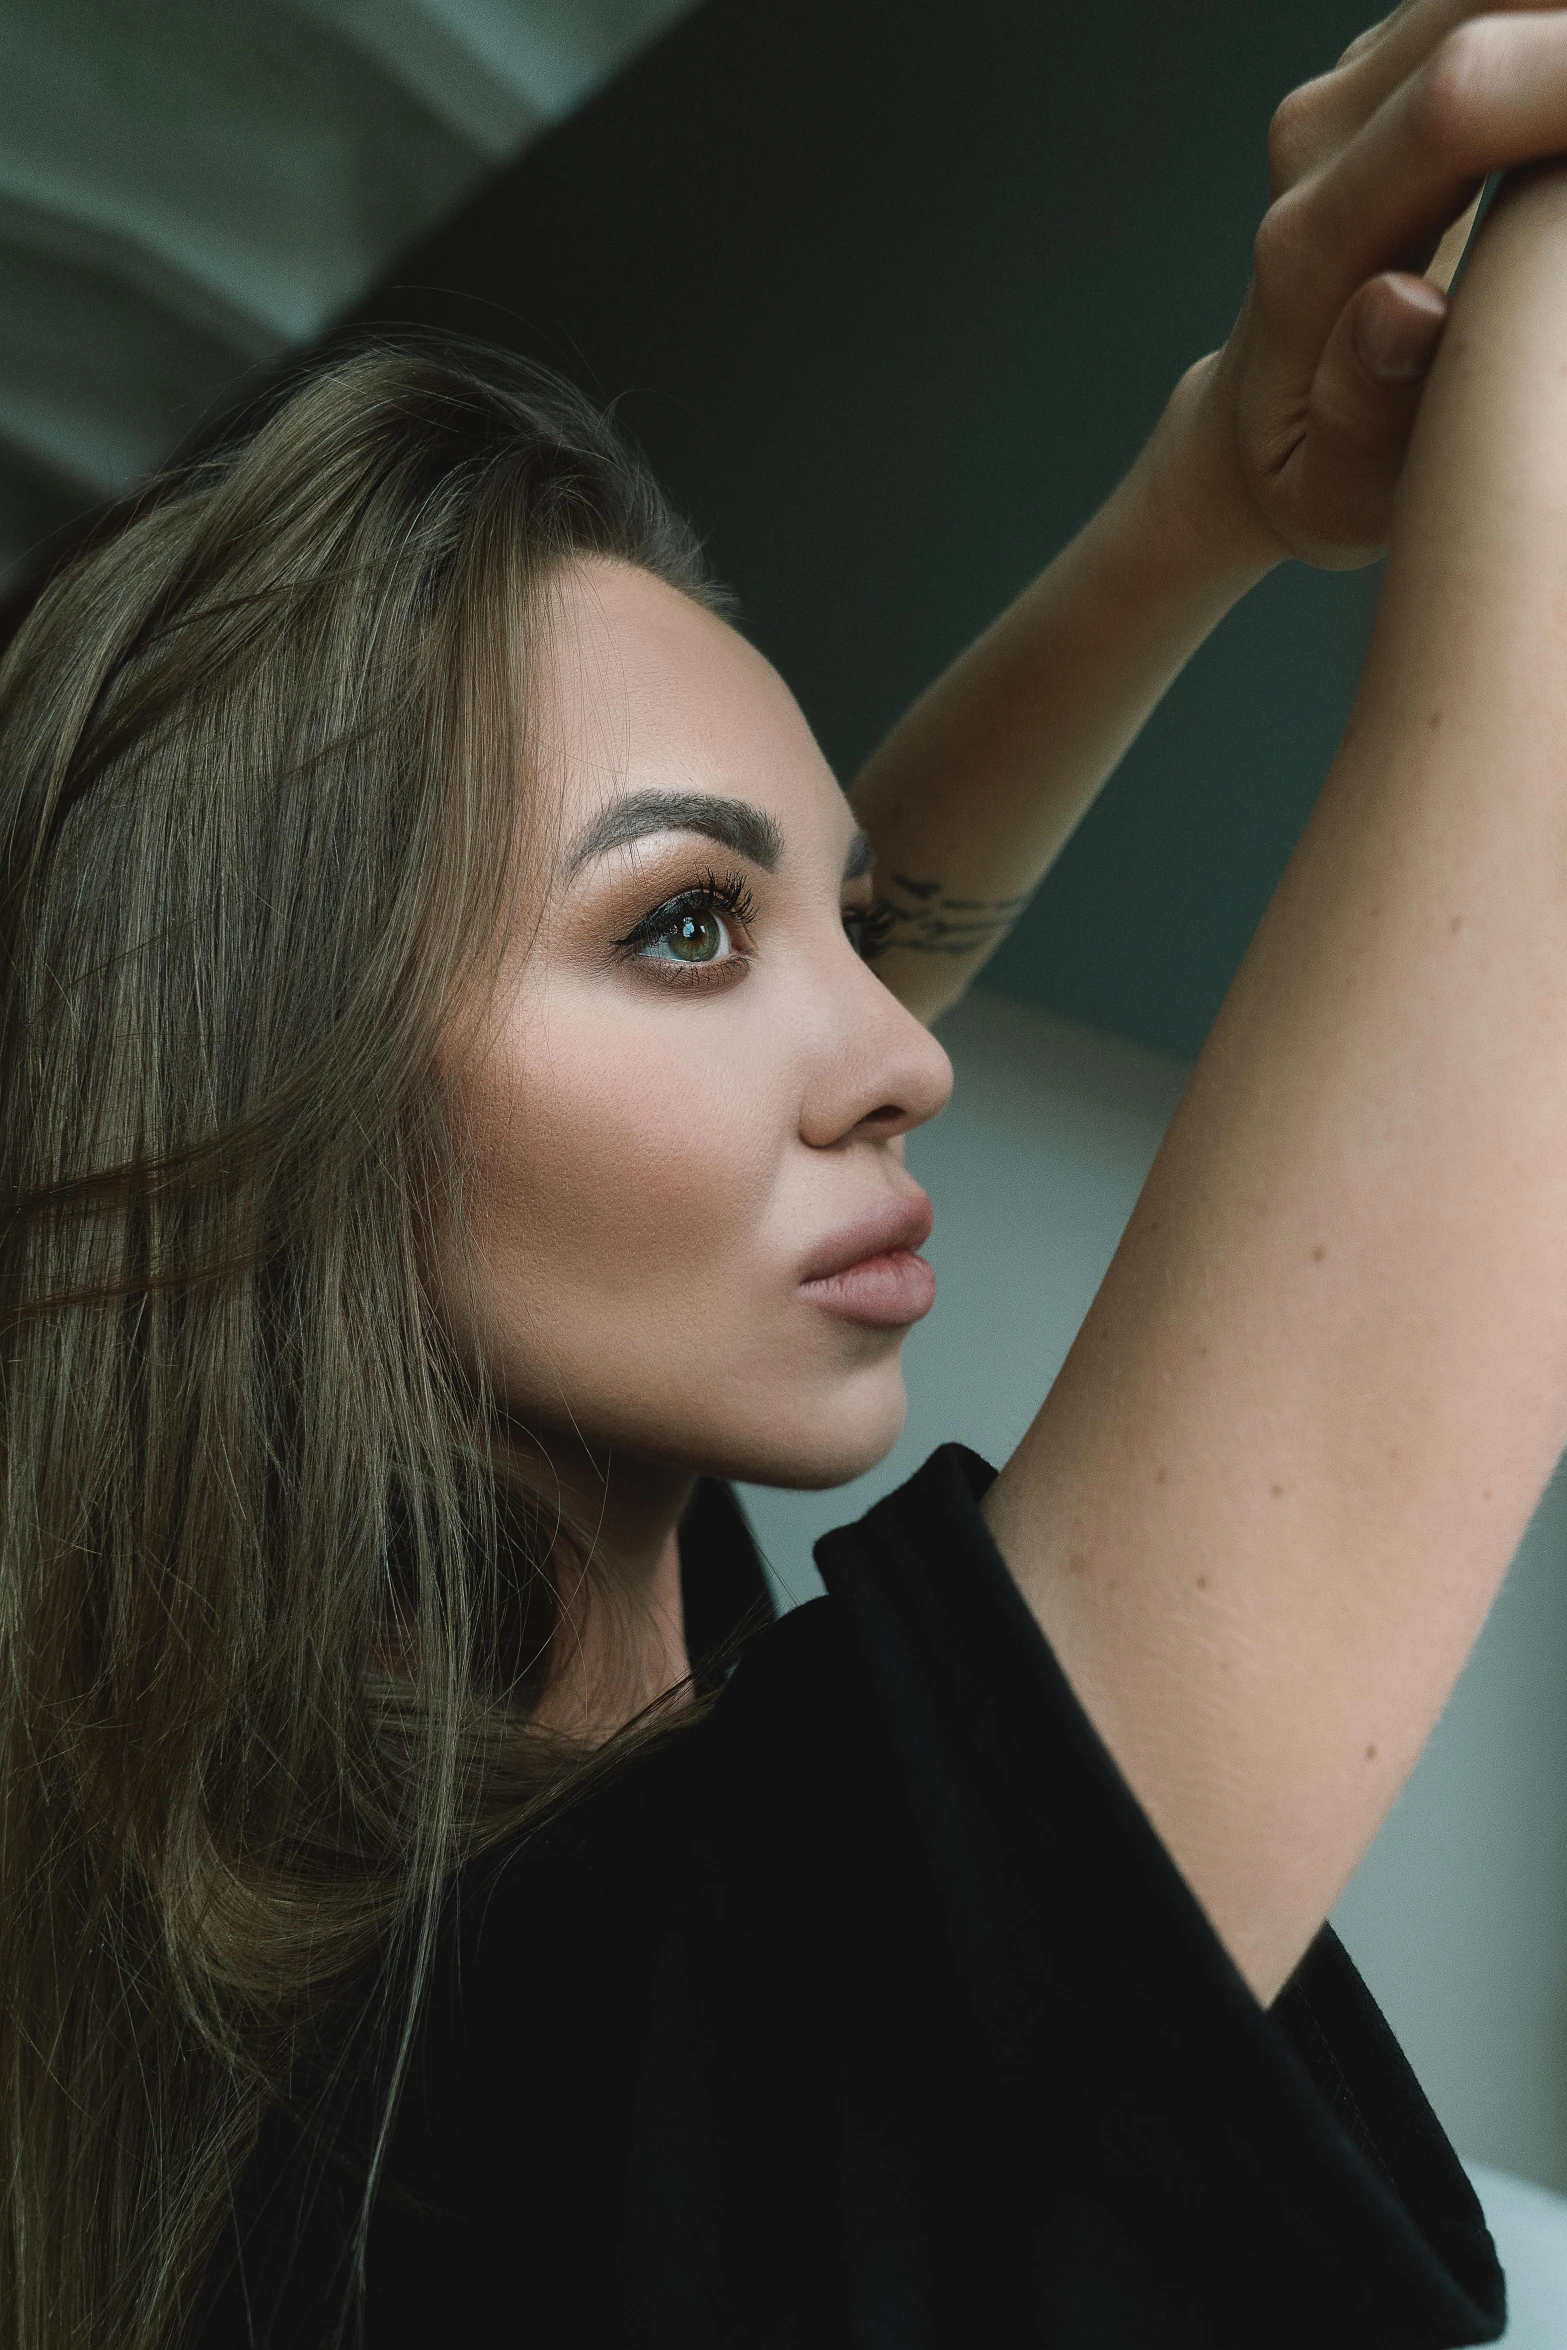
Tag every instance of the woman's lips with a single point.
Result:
(895, 1288)
(870, 1273)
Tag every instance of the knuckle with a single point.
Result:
(1449, 93)
(1283, 144)
(1279, 248)
(1295, 133)
(1374, 35)
(1360, 45)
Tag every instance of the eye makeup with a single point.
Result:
(699, 936)
(689, 939)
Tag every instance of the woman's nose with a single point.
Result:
(882, 1073)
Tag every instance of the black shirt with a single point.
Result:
(871, 2014)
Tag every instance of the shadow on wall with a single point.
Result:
(1458, 1915)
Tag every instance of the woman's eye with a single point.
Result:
(701, 932)
(698, 935)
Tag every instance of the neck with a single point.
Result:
(618, 1572)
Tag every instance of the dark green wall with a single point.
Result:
(893, 290)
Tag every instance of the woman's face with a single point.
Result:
(686, 1111)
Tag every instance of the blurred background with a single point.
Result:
(890, 290)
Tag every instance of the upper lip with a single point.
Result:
(902, 1223)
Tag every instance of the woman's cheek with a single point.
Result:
(617, 1149)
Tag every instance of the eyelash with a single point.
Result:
(869, 927)
(728, 896)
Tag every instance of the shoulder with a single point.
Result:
(881, 1960)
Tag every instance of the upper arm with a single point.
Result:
(1266, 1505)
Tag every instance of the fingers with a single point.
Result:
(1364, 400)
(1493, 94)
(1371, 68)
(1395, 324)
(1366, 41)
(1319, 118)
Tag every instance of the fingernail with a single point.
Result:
(1387, 348)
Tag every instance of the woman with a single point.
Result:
(449, 1116)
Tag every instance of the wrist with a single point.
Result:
(1190, 489)
(1179, 541)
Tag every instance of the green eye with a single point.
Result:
(697, 936)
(694, 929)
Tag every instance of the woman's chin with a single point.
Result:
(809, 1434)
(810, 1448)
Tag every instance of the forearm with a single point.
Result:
(1326, 1379)
(977, 790)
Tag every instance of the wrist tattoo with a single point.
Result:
(920, 916)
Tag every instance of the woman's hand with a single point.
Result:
(1289, 441)
(1295, 432)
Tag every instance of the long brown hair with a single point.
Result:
(261, 750)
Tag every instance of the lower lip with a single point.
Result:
(890, 1291)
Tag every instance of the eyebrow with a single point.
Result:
(740, 826)
(736, 823)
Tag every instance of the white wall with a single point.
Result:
(1458, 1916)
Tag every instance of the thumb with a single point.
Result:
(1364, 399)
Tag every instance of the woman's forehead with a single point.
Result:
(656, 715)
(624, 654)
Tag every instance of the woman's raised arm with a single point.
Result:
(1289, 441)
(1266, 1505)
